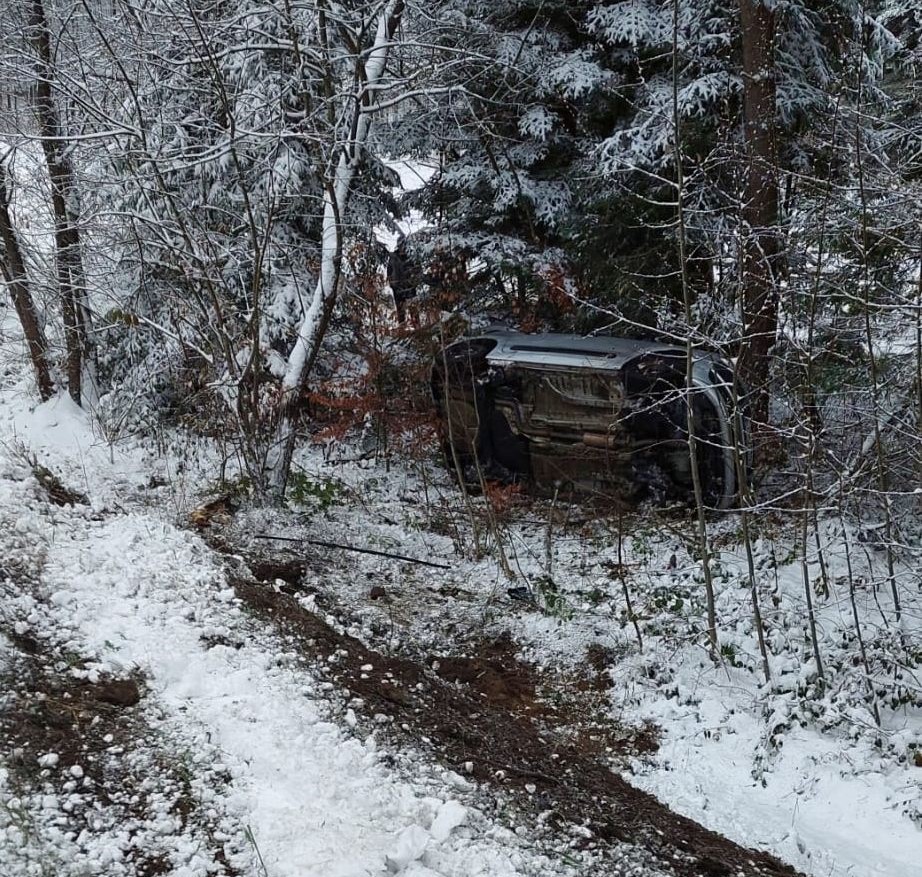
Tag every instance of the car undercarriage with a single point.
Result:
(605, 417)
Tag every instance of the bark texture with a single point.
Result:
(369, 71)
(13, 269)
(762, 245)
(69, 261)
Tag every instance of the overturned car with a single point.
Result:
(602, 416)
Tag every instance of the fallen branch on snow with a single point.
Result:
(324, 544)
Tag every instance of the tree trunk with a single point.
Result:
(369, 71)
(13, 269)
(761, 248)
(71, 279)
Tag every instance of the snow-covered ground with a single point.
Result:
(775, 767)
(828, 806)
(120, 587)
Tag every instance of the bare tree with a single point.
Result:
(64, 201)
(247, 251)
(693, 448)
(13, 268)
(343, 164)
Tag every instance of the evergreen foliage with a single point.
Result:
(557, 169)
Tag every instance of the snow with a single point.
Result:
(825, 806)
(635, 22)
(136, 592)
(413, 175)
(126, 588)
(451, 815)
(336, 200)
(306, 788)
(821, 800)
(821, 797)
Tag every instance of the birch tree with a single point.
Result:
(344, 159)
(232, 173)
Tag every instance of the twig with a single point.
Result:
(248, 833)
(373, 551)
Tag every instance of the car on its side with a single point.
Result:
(603, 416)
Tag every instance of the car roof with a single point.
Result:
(551, 349)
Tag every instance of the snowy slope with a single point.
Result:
(134, 592)
(124, 586)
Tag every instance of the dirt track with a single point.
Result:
(481, 715)
(108, 763)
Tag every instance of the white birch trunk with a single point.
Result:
(335, 202)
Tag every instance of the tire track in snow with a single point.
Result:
(143, 593)
(91, 783)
